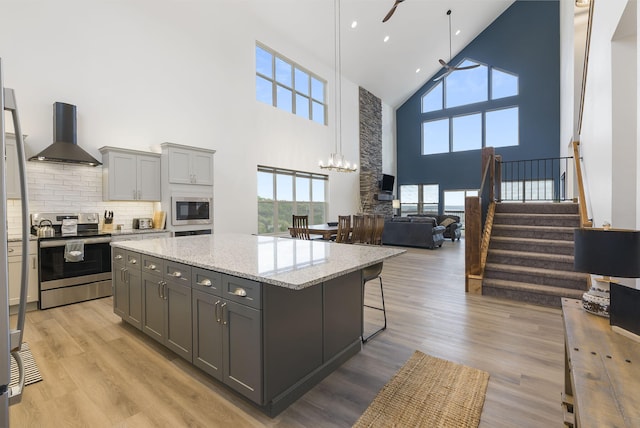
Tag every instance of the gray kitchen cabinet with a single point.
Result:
(130, 175)
(228, 335)
(14, 249)
(166, 303)
(127, 286)
(189, 165)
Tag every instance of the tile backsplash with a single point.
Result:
(72, 188)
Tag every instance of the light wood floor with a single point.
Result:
(100, 372)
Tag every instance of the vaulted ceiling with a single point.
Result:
(418, 36)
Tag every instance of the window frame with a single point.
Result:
(312, 102)
(276, 202)
(482, 108)
(421, 206)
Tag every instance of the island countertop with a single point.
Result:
(284, 262)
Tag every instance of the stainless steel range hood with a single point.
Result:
(65, 147)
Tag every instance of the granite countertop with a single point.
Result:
(284, 262)
(17, 237)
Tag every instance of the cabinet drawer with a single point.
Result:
(177, 273)
(119, 255)
(207, 281)
(132, 260)
(152, 265)
(243, 291)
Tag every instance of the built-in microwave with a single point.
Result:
(191, 210)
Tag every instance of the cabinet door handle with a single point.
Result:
(118, 257)
(224, 320)
(240, 292)
(164, 290)
(205, 283)
(11, 250)
(122, 270)
(33, 262)
(160, 289)
(215, 311)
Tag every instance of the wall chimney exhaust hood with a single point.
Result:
(65, 147)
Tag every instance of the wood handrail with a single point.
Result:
(585, 66)
(584, 217)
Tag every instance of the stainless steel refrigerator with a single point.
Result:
(11, 337)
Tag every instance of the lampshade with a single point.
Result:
(612, 252)
(395, 204)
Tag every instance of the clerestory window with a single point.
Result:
(471, 109)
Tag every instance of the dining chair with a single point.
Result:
(344, 229)
(358, 231)
(300, 225)
(378, 228)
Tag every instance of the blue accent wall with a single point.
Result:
(524, 40)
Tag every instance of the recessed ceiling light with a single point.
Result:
(417, 70)
(386, 39)
(457, 32)
(354, 24)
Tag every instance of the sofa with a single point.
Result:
(422, 232)
(453, 227)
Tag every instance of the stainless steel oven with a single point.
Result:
(63, 282)
(73, 267)
(187, 210)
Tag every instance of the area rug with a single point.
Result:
(429, 392)
(32, 374)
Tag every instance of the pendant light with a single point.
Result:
(336, 160)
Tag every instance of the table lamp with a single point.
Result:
(610, 252)
(396, 205)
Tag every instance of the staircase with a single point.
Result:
(530, 256)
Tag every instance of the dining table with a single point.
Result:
(324, 229)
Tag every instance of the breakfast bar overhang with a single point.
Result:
(269, 317)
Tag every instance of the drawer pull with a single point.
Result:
(205, 282)
(133, 261)
(176, 274)
(11, 250)
(118, 257)
(240, 292)
(151, 267)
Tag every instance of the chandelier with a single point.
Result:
(336, 160)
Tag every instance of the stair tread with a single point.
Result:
(526, 214)
(535, 241)
(529, 226)
(525, 286)
(534, 270)
(532, 254)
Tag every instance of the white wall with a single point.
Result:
(144, 72)
(597, 129)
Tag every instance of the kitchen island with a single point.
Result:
(269, 317)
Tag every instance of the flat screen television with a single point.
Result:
(386, 184)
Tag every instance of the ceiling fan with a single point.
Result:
(450, 68)
(393, 9)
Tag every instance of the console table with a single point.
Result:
(602, 372)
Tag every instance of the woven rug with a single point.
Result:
(429, 392)
(32, 374)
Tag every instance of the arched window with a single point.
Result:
(471, 109)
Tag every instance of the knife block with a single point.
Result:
(107, 227)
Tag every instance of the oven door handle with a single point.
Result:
(49, 243)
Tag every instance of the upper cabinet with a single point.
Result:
(12, 172)
(189, 165)
(130, 175)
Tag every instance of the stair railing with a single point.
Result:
(585, 221)
(479, 212)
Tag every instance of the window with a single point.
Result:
(470, 109)
(419, 198)
(289, 87)
(454, 202)
(283, 193)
